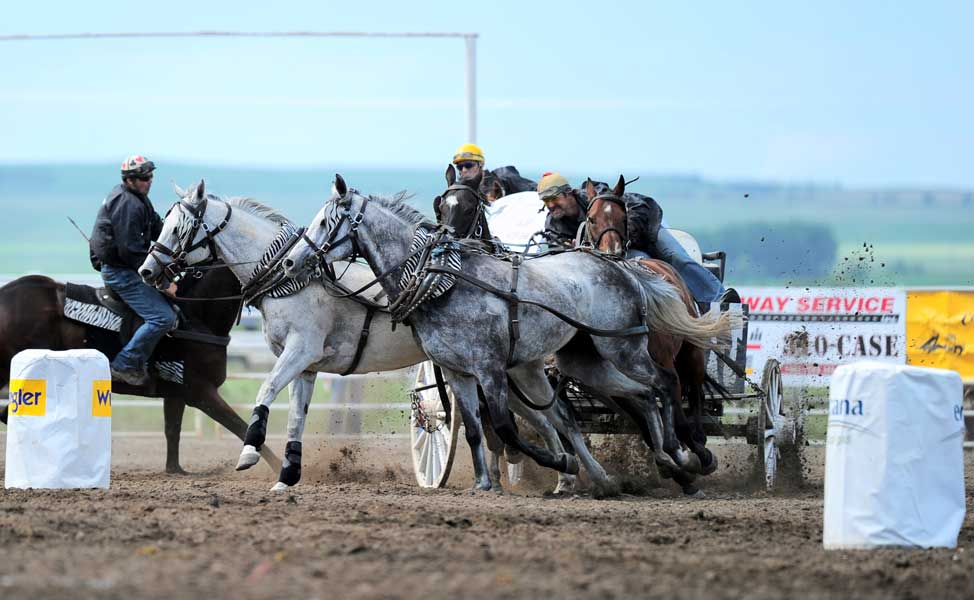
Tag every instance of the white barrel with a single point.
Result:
(59, 431)
(894, 461)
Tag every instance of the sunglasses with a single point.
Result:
(467, 164)
(144, 177)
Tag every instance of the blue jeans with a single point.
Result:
(704, 286)
(149, 304)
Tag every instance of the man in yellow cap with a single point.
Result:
(567, 209)
(493, 184)
(469, 161)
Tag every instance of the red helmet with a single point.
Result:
(137, 166)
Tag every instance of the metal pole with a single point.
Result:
(471, 86)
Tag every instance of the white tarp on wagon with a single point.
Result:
(59, 431)
(894, 462)
(514, 218)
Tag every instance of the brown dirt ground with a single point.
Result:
(358, 528)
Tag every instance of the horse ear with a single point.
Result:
(436, 208)
(341, 188)
(201, 190)
(496, 190)
(620, 187)
(179, 191)
(589, 189)
(451, 175)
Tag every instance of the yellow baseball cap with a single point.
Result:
(468, 152)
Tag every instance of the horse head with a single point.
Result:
(491, 187)
(185, 238)
(461, 205)
(331, 235)
(607, 222)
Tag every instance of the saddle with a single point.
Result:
(111, 324)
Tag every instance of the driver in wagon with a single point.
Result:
(648, 236)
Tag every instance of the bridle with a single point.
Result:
(624, 234)
(476, 228)
(186, 245)
(344, 203)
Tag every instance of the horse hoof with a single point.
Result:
(177, 470)
(709, 467)
(609, 489)
(665, 462)
(571, 464)
(280, 486)
(688, 462)
(249, 457)
(694, 492)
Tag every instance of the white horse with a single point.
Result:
(310, 330)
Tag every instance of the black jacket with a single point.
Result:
(644, 214)
(125, 227)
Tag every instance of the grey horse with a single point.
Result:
(310, 330)
(466, 331)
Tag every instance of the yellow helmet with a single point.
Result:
(551, 185)
(469, 152)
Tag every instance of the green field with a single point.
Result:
(924, 237)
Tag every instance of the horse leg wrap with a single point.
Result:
(257, 430)
(291, 469)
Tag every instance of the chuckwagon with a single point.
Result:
(752, 409)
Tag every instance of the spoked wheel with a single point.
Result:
(434, 422)
(770, 422)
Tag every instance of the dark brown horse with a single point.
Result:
(607, 227)
(32, 316)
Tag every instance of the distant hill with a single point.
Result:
(920, 236)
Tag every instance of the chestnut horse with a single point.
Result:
(607, 229)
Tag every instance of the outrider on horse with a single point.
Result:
(186, 369)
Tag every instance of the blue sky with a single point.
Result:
(862, 94)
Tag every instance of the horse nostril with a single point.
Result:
(145, 273)
(288, 263)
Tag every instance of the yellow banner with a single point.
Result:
(28, 397)
(940, 330)
(101, 398)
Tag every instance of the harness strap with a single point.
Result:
(363, 339)
(514, 324)
(197, 336)
(562, 381)
(625, 332)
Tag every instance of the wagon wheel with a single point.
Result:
(769, 422)
(434, 422)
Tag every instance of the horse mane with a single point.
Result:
(396, 203)
(261, 210)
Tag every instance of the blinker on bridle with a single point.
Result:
(178, 255)
(345, 204)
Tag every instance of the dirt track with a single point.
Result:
(356, 528)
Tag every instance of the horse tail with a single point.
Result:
(667, 313)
